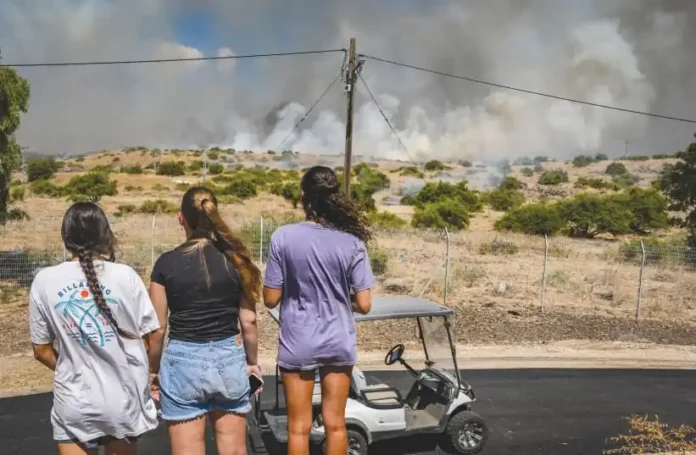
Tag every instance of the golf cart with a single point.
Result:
(438, 402)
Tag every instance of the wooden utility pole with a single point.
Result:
(350, 86)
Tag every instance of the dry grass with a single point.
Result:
(650, 436)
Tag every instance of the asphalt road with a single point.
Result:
(529, 411)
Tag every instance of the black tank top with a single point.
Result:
(204, 292)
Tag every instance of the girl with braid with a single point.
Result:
(319, 273)
(89, 318)
(206, 290)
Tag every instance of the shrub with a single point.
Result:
(125, 209)
(601, 157)
(292, 193)
(447, 213)
(15, 183)
(133, 170)
(91, 186)
(498, 247)
(598, 184)
(511, 184)
(171, 169)
(504, 200)
(535, 219)
(527, 171)
(132, 188)
(158, 206)
(541, 159)
(379, 261)
(216, 169)
(386, 220)
(582, 161)
(241, 189)
(46, 188)
(589, 215)
(440, 191)
(182, 186)
(362, 196)
(213, 155)
(615, 169)
(79, 159)
(104, 169)
(435, 165)
(372, 180)
(411, 171)
(624, 180)
(41, 169)
(196, 165)
(17, 193)
(553, 177)
(648, 208)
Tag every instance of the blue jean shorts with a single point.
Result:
(196, 378)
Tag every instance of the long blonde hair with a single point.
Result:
(199, 209)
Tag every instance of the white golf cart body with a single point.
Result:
(377, 410)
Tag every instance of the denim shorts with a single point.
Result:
(196, 378)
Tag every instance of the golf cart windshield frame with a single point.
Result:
(404, 307)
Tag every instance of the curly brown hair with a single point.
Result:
(325, 204)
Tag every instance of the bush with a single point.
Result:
(79, 159)
(213, 155)
(182, 186)
(362, 196)
(104, 169)
(553, 177)
(91, 186)
(372, 180)
(589, 215)
(527, 171)
(601, 157)
(498, 247)
(541, 159)
(216, 169)
(582, 161)
(132, 188)
(17, 193)
(447, 213)
(46, 188)
(158, 206)
(534, 219)
(196, 165)
(511, 184)
(386, 220)
(625, 180)
(41, 169)
(171, 169)
(504, 200)
(411, 171)
(615, 169)
(598, 184)
(379, 261)
(441, 191)
(125, 209)
(132, 170)
(435, 165)
(159, 188)
(241, 189)
(648, 208)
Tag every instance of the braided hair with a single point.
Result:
(87, 235)
(325, 204)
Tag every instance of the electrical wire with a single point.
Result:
(386, 119)
(531, 92)
(167, 60)
(309, 111)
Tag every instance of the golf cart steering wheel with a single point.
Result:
(394, 354)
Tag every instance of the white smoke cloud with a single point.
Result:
(629, 54)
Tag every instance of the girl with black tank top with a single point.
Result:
(209, 286)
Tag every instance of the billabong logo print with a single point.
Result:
(88, 320)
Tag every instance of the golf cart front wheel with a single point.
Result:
(466, 433)
(357, 444)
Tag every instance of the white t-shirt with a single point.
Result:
(101, 380)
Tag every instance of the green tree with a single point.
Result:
(533, 219)
(511, 184)
(553, 177)
(435, 192)
(582, 161)
(445, 213)
(14, 100)
(678, 182)
(615, 169)
(41, 169)
(589, 215)
(435, 165)
(91, 186)
(290, 191)
(242, 189)
(216, 168)
(171, 168)
(504, 200)
(648, 207)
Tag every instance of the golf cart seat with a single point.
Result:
(377, 394)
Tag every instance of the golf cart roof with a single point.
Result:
(393, 307)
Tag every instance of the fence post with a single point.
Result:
(447, 265)
(152, 243)
(640, 279)
(543, 273)
(261, 240)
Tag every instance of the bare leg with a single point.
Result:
(121, 448)
(298, 397)
(188, 438)
(230, 432)
(74, 449)
(335, 383)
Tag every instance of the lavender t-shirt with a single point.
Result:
(316, 267)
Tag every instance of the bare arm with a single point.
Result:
(155, 340)
(362, 301)
(250, 331)
(46, 354)
(272, 297)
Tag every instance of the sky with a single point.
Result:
(628, 53)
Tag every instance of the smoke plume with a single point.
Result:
(628, 53)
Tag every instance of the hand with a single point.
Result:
(256, 370)
(154, 387)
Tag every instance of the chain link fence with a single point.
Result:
(638, 277)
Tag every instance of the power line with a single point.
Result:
(167, 60)
(309, 111)
(531, 92)
(384, 116)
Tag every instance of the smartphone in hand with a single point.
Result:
(255, 384)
